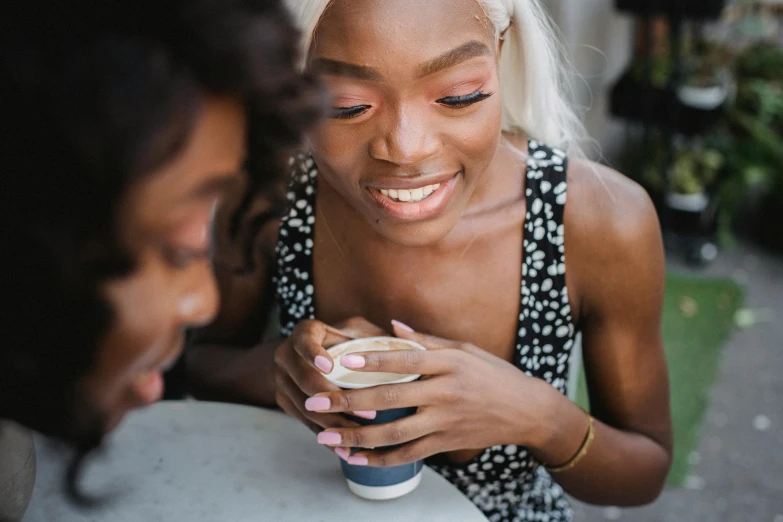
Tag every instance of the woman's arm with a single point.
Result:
(616, 267)
(229, 374)
(226, 361)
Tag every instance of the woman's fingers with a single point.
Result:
(393, 433)
(287, 405)
(359, 327)
(292, 400)
(405, 362)
(432, 342)
(309, 380)
(382, 398)
(407, 453)
(311, 338)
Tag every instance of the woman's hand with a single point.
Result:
(301, 360)
(466, 399)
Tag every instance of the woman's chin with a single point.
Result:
(415, 235)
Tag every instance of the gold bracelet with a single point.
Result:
(573, 461)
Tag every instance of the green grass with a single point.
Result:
(698, 317)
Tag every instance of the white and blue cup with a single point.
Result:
(370, 482)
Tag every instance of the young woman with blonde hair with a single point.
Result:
(433, 200)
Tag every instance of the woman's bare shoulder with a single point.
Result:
(612, 234)
(604, 203)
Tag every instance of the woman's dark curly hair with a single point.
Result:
(94, 96)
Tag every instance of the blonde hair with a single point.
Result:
(533, 71)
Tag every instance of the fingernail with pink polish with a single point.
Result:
(358, 461)
(329, 438)
(353, 361)
(366, 414)
(402, 326)
(323, 364)
(343, 453)
(318, 404)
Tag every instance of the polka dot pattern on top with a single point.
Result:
(505, 482)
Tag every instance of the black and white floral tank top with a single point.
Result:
(505, 482)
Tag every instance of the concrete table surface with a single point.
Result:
(204, 462)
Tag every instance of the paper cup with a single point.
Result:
(371, 482)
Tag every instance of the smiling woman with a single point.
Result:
(444, 191)
(124, 125)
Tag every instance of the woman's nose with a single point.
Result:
(406, 139)
(199, 304)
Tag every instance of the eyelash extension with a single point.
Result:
(346, 113)
(454, 102)
(459, 102)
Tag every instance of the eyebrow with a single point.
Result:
(349, 70)
(463, 53)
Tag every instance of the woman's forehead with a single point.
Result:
(362, 31)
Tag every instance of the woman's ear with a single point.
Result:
(502, 38)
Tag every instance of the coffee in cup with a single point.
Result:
(367, 481)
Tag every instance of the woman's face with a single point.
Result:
(166, 222)
(416, 117)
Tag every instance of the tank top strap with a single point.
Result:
(294, 252)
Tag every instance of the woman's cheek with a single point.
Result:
(478, 135)
(333, 141)
(338, 149)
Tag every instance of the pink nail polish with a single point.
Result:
(329, 438)
(353, 361)
(366, 414)
(318, 404)
(358, 461)
(343, 453)
(323, 364)
(402, 326)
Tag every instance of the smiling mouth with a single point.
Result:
(410, 195)
(414, 203)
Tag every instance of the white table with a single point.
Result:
(206, 462)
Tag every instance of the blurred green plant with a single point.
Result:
(756, 118)
(660, 70)
(762, 60)
(707, 63)
(695, 169)
(742, 152)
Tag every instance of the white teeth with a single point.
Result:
(413, 195)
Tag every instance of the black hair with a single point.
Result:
(94, 96)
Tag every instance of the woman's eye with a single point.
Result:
(459, 102)
(183, 257)
(346, 113)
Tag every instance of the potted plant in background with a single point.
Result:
(687, 188)
(718, 163)
(754, 148)
(707, 80)
(693, 173)
(764, 60)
